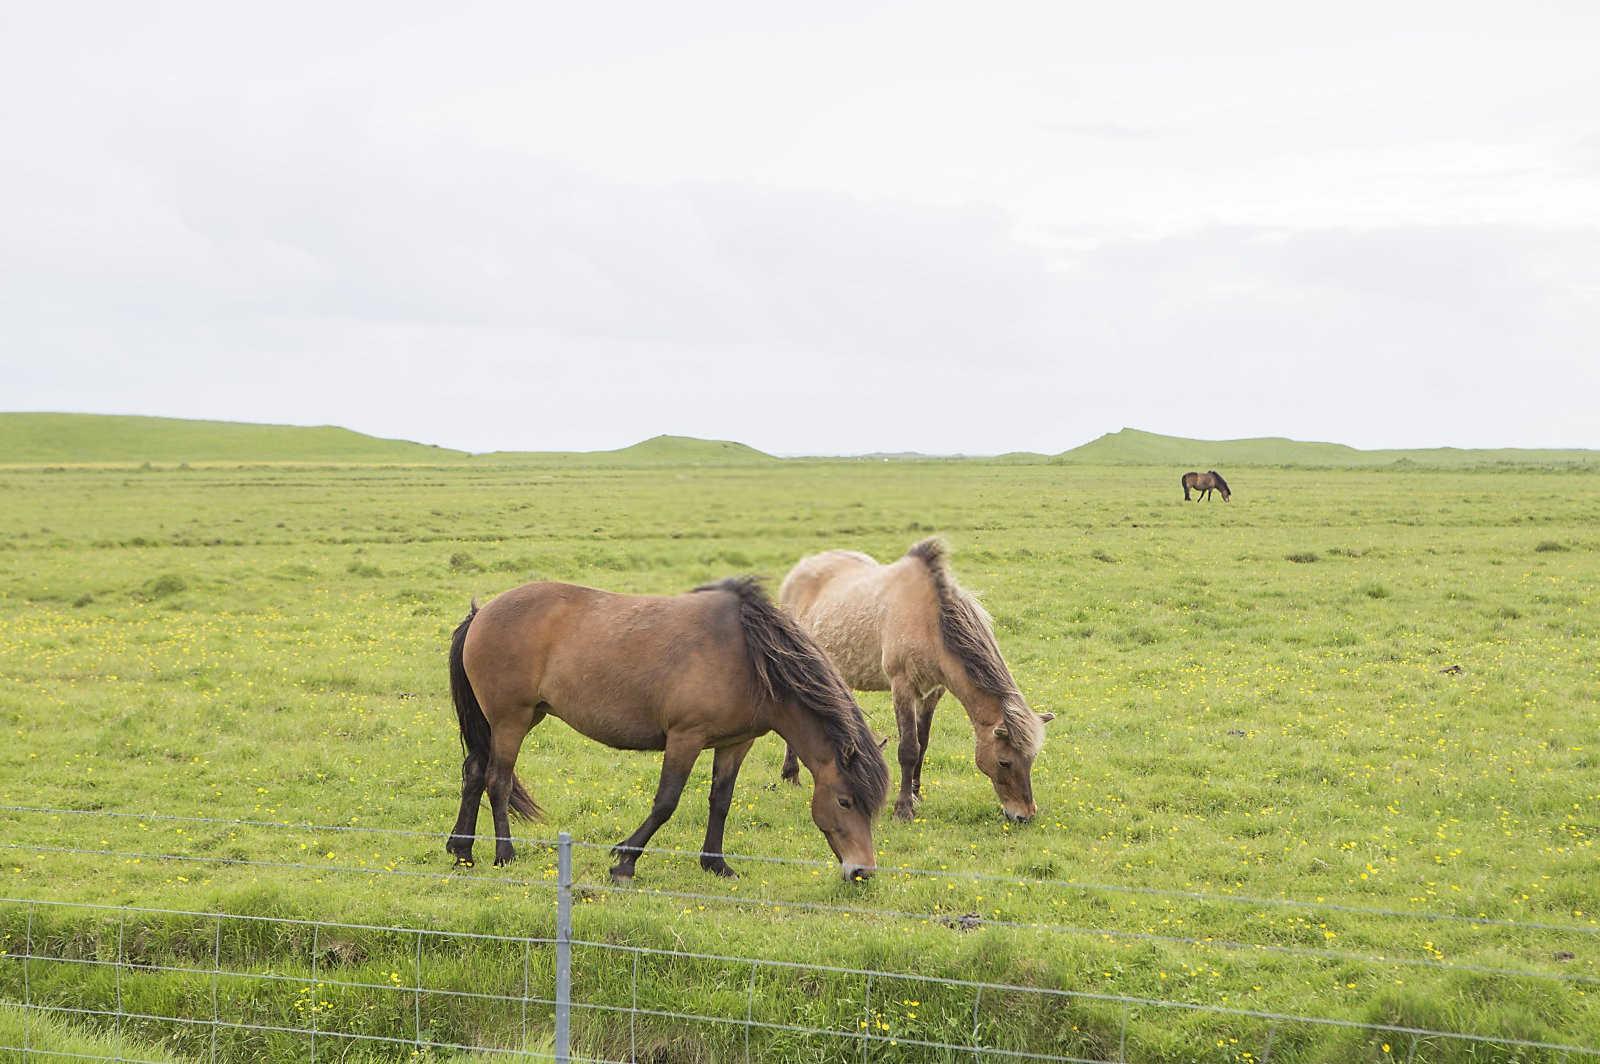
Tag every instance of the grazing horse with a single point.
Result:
(714, 668)
(1203, 483)
(908, 628)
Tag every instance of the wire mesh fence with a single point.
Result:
(124, 982)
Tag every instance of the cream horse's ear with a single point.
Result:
(1046, 718)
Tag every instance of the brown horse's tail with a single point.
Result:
(474, 725)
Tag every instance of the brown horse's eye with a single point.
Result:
(1005, 764)
(844, 803)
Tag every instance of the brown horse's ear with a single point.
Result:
(1046, 718)
(1002, 732)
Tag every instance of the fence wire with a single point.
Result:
(512, 1004)
(419, 988)
(1204, 942)
(1207, 897)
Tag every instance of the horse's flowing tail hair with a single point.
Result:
(474, 725)
(790, 667)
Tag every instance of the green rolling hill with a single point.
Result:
(657, 450)
(115, 439)
(1136, 447)
(107, 439)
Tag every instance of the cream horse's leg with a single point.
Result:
(791, 765)
(930, 702)
(905, 722)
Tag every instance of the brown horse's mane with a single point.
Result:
(1223, 484)
(790, 667)
(970, 637)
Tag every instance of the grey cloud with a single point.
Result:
(220, 214)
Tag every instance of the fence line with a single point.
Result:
(29, 1051)
(202, 914)
(564, 941)
(1202, 942)
(247, 862)
(1088, 995)
(313, 980)
(1103, 932)
(1592, 929)
(860, 1036)
(147, 1017)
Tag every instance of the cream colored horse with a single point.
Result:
(908, 628)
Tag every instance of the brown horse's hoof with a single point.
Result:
(718, 867)
(504, 857)
(621, 876)
(905, 809)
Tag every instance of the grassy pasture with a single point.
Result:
(1249, 702)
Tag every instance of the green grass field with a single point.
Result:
(1249, 702)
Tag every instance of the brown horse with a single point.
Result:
(910, 629)
(1204, 483)
(715, 668)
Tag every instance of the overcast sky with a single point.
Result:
(816, 228)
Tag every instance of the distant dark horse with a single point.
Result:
(1203, 483)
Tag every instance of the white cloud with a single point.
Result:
(884, 228)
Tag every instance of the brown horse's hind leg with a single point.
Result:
(676, 764)
(791, 766)
(924, 726)
(724, 771)
(905, 720)
(472, 783)
(504, 743)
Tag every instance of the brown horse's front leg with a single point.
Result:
(791, 766)
(676, 764)
(459, 844)
(905, 720)
(724, 771)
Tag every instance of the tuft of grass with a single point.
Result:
(1102, 556)
(1548, 545)
(163, 586)
(1374, 590)
(1301, 557)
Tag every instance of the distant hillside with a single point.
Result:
(658, 450)
(108, 439)
(1134, 447)
(93, 439)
